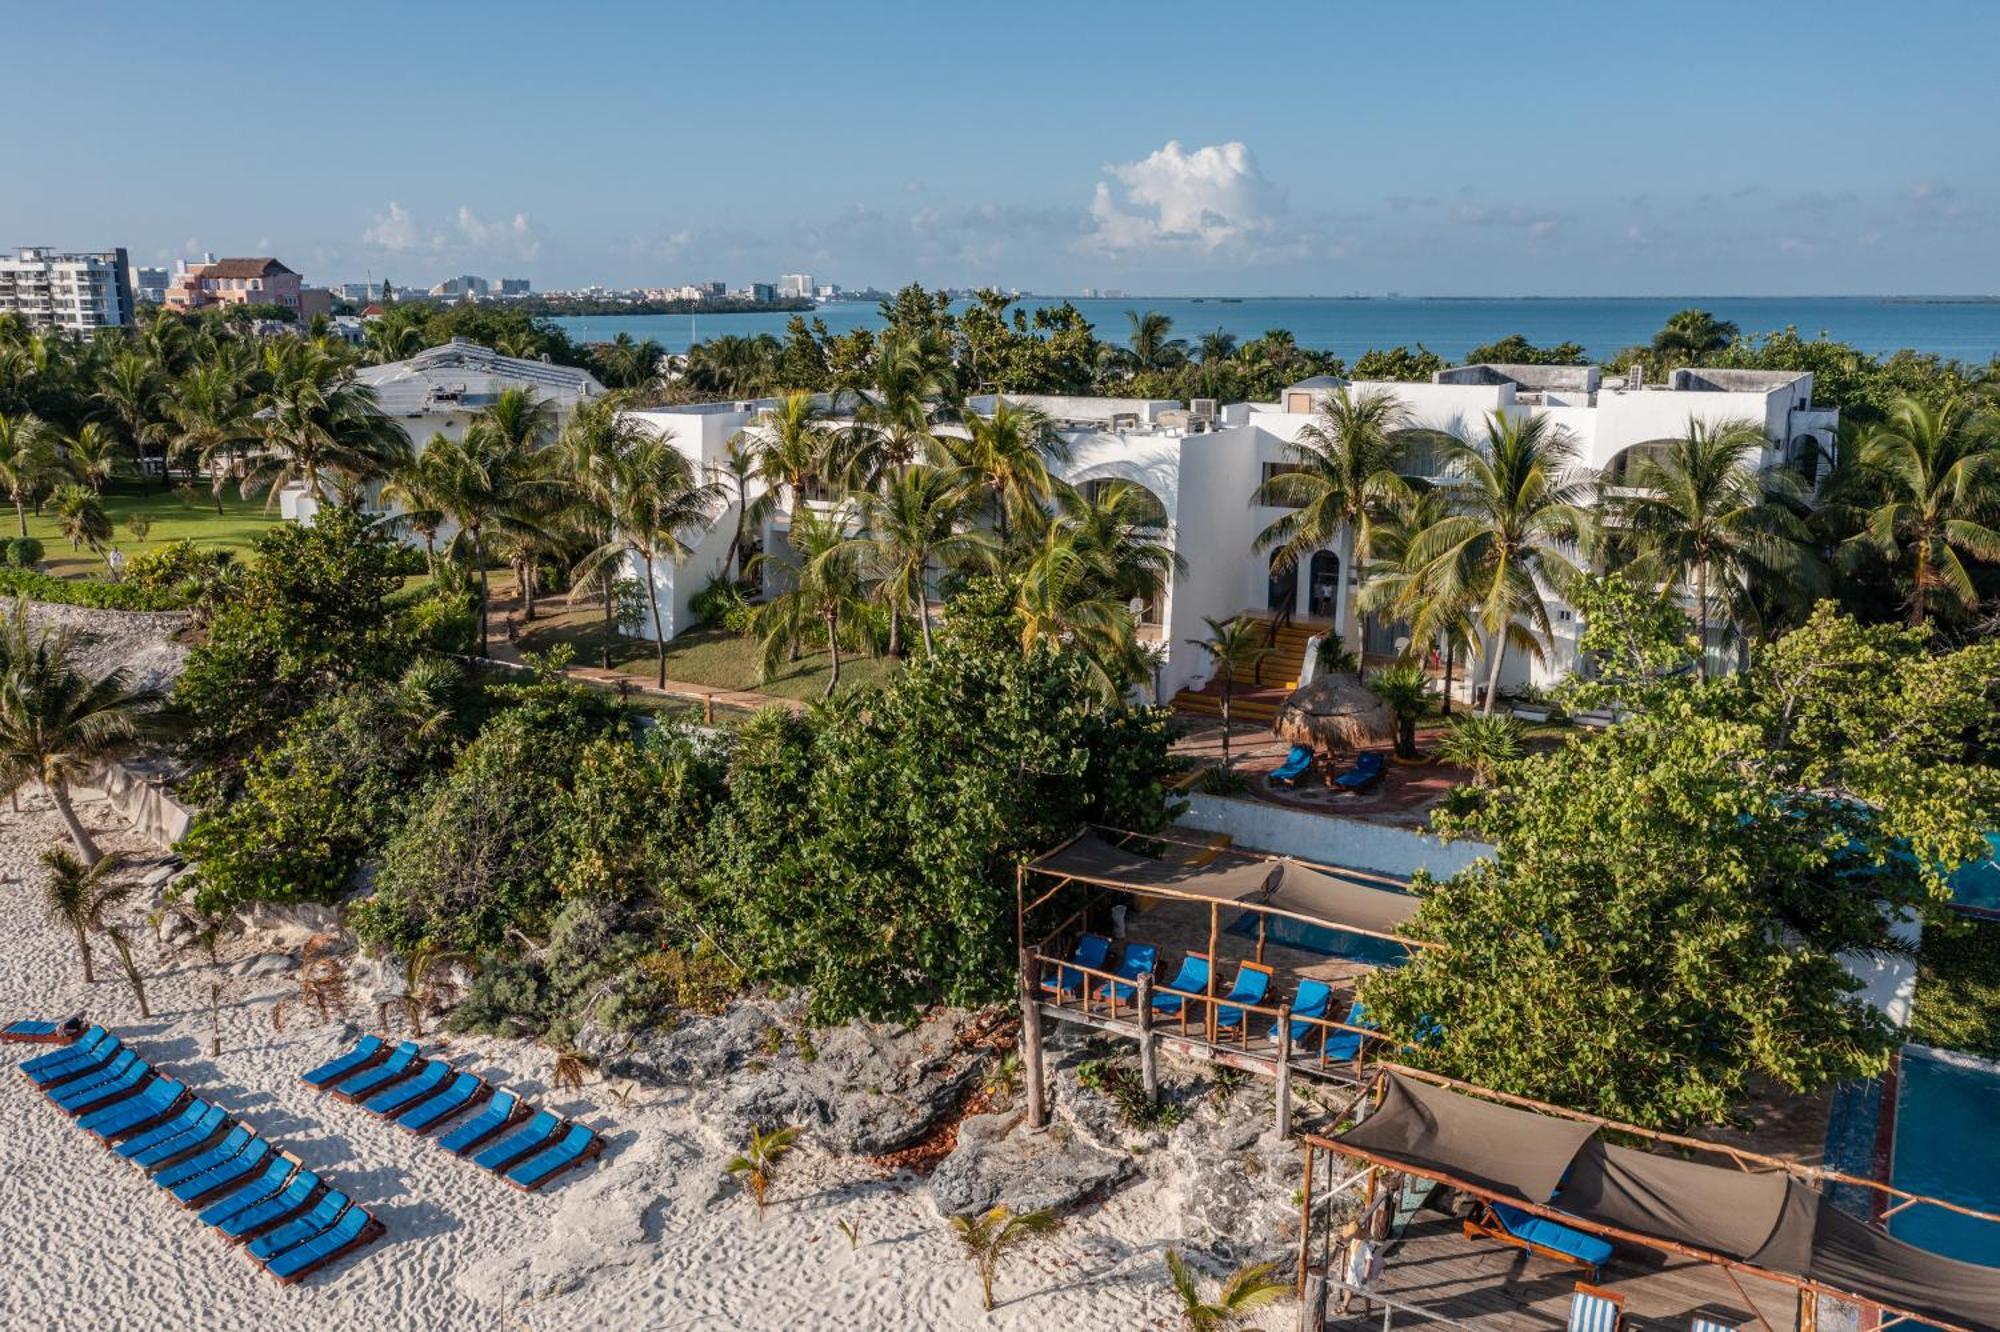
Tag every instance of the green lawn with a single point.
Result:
(711, 657)
(237, 527)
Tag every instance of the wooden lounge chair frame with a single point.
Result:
(1610, 1297)
(590, 1153)
(1483, 1222)
(371, 1232)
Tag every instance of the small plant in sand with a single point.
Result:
(322, 982)
(121, 943)
(77, 895)
(757, 1163)
(1004, 1079)
(1247, 1290)
(570, 1066)
(995, 1233)
(852, 1231)
(430, 986)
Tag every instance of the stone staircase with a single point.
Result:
(1252, 703)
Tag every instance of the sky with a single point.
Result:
(1444, 148)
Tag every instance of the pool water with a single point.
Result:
(1975, 885)
(1947, 1145)
(1324, 940)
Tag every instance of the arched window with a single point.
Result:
(1323, 585)
(1283, 594)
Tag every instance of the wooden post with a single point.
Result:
(1149, 1060)
(1214, 963)
(1031, 1044)
(1306, 1221)
(1284, 1071)
(708, 709)
(1262, 921)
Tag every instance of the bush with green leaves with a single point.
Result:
(475, 859)
(868, 849)
(24, 552)
(326, 795)
(311, 616)
(38, 586)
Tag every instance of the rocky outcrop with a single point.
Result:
(998, 1161)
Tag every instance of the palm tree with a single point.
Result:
(129, 392)
(57, 723)
(1433, 603)
(894, 424)
(1689, 335)
(794, 449)
(1063, 596)
(92, 453)
(628, 364)
(1009, 451)
(918, 520)
(517, 424)
(1483, 744)
(1343, 476)
(993, 1234)
(26, 461)
(77, 895)
(1150, 346)
(738, 468)
(1403, 687)
(1519, 503)
(1232, 646)
(757, 1163)
(1247, 1290)
(649, 495)
(1217, 347)
(825, 595)
(1705, 518)
(213, 416)
(80, 517)
(323, 425)
(414, 488)
(1126, 526)
(393, 340)
(1937, 474)
(486, 483)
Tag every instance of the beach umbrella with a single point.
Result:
(1337, 711)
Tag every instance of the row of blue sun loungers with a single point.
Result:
(525, 1148)
(287, 1218)
(1189, 988)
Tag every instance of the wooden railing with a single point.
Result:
(1109, 996)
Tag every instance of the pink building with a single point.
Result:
(245, 282)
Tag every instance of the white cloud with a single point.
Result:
(1211, 200)
(513, 239)
(398, 232)
(468, 239)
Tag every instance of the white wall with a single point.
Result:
(1258, 825)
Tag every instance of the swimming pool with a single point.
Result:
(1975, 885)
(1324, 940)
(1947, 1145)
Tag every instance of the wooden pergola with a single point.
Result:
(1105, 863)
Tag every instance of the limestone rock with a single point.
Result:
(999, 1160)
(698, 1051)
(263, 964)
(1235, 1179)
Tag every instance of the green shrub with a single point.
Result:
(24, 552)
(508, 997)
(446, 621)
(37, 586)
(723, 603)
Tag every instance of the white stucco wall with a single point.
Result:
(1262, 826)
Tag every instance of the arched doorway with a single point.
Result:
(1323, 586)
(1283, 594)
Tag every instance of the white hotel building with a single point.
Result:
(1204, 461)
(76, 293)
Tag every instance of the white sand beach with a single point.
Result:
(649, 1237)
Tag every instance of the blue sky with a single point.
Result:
(1745, 148)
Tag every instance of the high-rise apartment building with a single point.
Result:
(75, 292)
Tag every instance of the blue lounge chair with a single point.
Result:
(233, 1142)
(287, 1205)
(367, 1052)
(399, 1065)
(354, 1228)
(225, 1176)
(403, 1094)
(575, 1146)
(1189, 983)
(427, 1114)
(1139, 959)
(37, 1033)
(1367, 771)
(301, 1228)
(499, 1112)
(119, 1079)
(1091, 950)
(96, 1049)
(267, 1184)
(528, 1138)
(1594, 1310)
(1296, 765)
(1347, 1044)
(1253, 982)
(1311, 1001)
(1538, 1234)
(156, 1104)
(193, 1129)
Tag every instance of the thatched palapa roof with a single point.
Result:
(1338, 711)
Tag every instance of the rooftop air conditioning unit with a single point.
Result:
(1201, 409)
(1125, 420)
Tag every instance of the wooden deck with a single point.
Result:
(1492, 1287)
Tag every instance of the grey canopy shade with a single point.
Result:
(1764, 1220)
(1515, 1152)
(1848, 1255)
(1283, 884)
